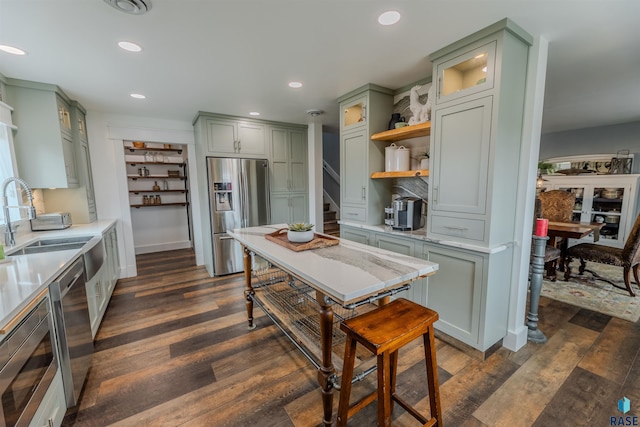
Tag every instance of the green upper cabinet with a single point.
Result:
(83, 157)
(288, 159)
(363, 112)
(288, 174)
(353, 113)
(44, 145)
(469, 73)
(476, 135)
(235, 137)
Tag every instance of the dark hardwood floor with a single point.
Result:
(174, 349)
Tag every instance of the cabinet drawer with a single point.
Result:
(354, 214)
(458, 227)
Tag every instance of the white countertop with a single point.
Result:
(347, 272)
(23, 277)
(421, 234)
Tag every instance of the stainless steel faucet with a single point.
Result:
(9, 231)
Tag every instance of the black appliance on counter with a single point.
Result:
(407, 212)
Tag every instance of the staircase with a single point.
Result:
(331, 225)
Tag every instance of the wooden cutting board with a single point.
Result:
(319, 241)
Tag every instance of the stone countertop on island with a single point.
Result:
(347, 272)
(23, 277)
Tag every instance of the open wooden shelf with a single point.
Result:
(134, 149)
(157, 191)
(401, 174)
(161, 204)
(154, 163)
(413, 131)
(156, 177)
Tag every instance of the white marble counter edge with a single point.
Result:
(421, 235)
(95, 229)
(331, 292)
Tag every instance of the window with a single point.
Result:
(7, 159)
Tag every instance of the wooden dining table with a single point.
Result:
(560, 232)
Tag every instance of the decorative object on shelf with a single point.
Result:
(300, 232)
(156, 187)
(139, 144)
(421, 112)
(402, 161)
(395, 118)
(400, 125)
(167, 146)
(173, 174)
(158, 201)
(621, 163)
(165, 185)
(390, 157)
(424, 160)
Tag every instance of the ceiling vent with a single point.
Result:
(315, 113)
(133, 7)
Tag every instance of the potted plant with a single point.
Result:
(424, 160)
(300, 232)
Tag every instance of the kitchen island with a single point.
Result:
(337, 278)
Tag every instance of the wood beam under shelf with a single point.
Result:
(413, 131)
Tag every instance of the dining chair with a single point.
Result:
(628, 257)
(557, 205)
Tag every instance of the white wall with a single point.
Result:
(106, 133)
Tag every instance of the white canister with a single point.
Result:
(424, 164)
(390, 158)
(402, 159)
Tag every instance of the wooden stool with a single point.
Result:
(383, 331)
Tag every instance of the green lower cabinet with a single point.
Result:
(357, 235)
(455, 291)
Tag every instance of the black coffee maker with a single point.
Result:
(407, 212)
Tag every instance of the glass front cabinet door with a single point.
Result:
(354, 114)
(604, 205)
(466, 74)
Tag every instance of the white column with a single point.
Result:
(534, 100)
(314, 160)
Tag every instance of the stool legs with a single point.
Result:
(345, 383)
(384, 389)
(432, 375)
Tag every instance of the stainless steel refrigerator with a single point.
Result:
(238, 197)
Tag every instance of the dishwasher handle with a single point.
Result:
(67, 279)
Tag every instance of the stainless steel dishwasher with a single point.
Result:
(71, 316)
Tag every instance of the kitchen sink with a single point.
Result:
(35, 248)
(53, 244)
(60, 241)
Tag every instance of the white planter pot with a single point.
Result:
(300, 236)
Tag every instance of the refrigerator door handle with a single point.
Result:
(243, 200)
(226, 238)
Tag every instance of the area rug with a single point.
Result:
(596, 295)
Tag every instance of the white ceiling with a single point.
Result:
(237, 56)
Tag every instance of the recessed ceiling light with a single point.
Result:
(389, 18)
(295, 85)
(129, 46)
(12, 50)
(134, 7)
(137, 96)
(254, 113)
